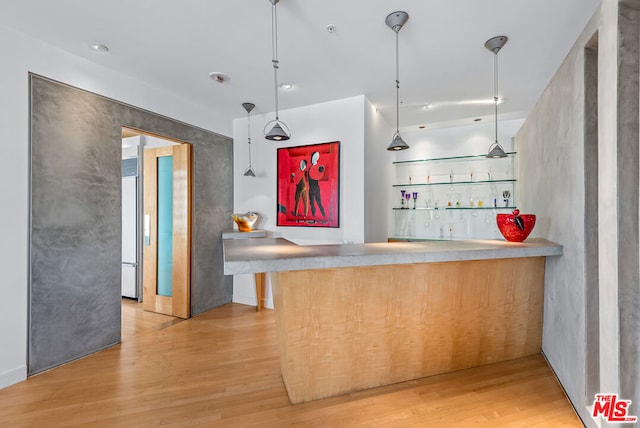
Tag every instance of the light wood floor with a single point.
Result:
(221, 369)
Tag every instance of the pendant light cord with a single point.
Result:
(274, 44)
(249, 135)
(495, 90)
(397, 86)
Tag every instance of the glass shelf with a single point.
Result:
(454, 208)
(465, 180)
(454, 158)
(454, 183)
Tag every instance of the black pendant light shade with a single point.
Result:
(496, 151)
(397, 143)
(277, 132)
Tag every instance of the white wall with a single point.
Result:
(130, 146)
(23, 54)
(341, 120)
(378, 175)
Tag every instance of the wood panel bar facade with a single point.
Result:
(347, 329)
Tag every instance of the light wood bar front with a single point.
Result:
(356, 316)
(352, 328)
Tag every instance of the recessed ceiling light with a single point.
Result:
(286, 86)
(426, 107)
(99, 47)
(219, 77)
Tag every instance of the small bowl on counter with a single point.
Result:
(246, 221)
(515, 227)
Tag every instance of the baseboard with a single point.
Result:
(11, 377)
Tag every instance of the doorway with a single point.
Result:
(157, 248)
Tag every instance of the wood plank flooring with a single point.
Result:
(222, 369)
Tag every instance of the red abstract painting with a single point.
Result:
(308, 185)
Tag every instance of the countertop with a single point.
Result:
(236, 234)
(278, 254)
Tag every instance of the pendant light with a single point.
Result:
(395, 21)
(494, 44)
(249, 172)
(279, 131)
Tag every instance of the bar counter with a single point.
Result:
(356, 316)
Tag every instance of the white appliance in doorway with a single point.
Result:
(130, 217)
(129, 237)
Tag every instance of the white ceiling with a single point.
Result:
(176, 44)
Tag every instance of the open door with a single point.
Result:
(167, 230)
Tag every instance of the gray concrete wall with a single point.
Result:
(618, 198)
(591, 218)
(550, 176)
(75, 231)
(628, 190)
(577, 169)
(607, 196)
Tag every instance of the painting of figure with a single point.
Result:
(308, 185)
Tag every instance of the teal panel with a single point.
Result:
(165, 225)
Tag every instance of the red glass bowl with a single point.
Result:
(510, 231)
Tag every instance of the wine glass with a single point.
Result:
(402, 192)
(506, 195)
(407, 196)
(415, 197)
